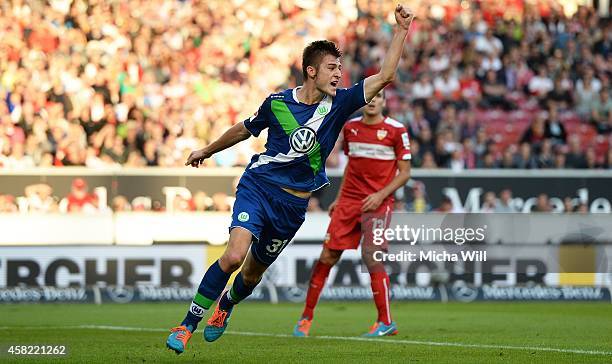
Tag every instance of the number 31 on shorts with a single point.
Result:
(276, 246)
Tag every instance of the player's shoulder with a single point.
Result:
(394, 123)
(352, 124)
(356, 119)
(281, 95)
(341, 91)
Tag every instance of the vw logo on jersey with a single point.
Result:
(303, 139)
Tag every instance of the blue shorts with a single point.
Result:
(271, 214)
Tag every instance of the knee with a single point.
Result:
(330, 257)
(231, 261)
(367, 257)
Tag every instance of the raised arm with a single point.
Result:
(373, 84)
(233, 135)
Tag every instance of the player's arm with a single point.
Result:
(373, 201)
(232, 136)
(373, 84)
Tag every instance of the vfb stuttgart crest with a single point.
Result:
(381, 134)
(303, 139)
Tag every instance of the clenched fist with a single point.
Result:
(403, 16)
(197, 157)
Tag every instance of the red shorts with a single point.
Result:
(345, 230)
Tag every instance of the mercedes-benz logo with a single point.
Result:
(464, 293)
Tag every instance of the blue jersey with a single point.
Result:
(300, 136)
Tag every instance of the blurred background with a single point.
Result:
(507, 104)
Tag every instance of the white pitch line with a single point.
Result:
(342, 338)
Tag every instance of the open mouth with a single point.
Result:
(334, 83)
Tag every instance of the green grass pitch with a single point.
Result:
(429, 332)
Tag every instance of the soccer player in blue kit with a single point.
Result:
(303, 125)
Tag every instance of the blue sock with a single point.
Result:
(210, 288)
(237, 293)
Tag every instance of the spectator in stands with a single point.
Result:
(542, 204)
(525, 159)
(508, 158)
(426, 141)
(446, 86)
(488, 205)
(494, 92)
(504, 203)
(419, 202)
(482, 143)
(221, 202)
(560, 96)
(582, 209)
(587, 89)
(446, 206)
(79, 199)
(470, 89)
(591, 158)
(415, 149)
(7, 203)
(181, 204)
(457, 162)
(449, 122)
(399, 206)
(536, 134)
(608, 160)
(39, 198)
(429, 161)
(568, 205)
(555, 130)
(488, 161)
(422, 89)
(470, 126)
(469, 155)
(545, 158)
(17, 159)
(575, 158)
(540, 85)
(142, 203)
(560, 159)
(120, 204)
(601, 110)
(201, 202)
(417, 121)
(489, 44)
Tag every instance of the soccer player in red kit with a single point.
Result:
(379, 163)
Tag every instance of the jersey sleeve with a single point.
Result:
(402, 145)
(260, 120)
(351, 99)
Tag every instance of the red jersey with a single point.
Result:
(76, 204)
(373, 152)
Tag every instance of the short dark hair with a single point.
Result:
(314, 53)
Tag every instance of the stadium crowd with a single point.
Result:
(141, 83)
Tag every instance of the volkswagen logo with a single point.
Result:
(303, 139)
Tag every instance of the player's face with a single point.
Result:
(375, 107)
(328, 75)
